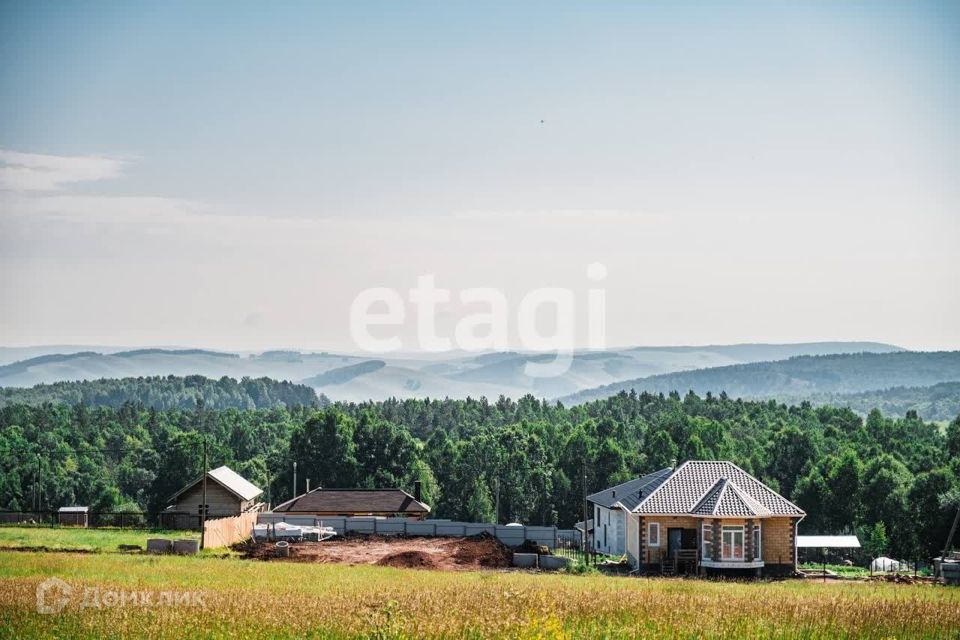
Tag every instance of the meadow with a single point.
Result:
(247, 599)
(77, 539)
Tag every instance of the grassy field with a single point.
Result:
(75, 539)
(244, 598)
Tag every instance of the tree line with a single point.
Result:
(891, 480)
(168, 392)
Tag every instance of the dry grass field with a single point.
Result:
(253, 599)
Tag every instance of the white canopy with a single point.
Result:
(828, 542)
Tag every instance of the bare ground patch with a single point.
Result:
(448, 554)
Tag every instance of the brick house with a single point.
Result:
(710, 517)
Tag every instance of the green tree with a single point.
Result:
(661, 451)
(876, 541)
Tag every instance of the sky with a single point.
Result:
(233, 175)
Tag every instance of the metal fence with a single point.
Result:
(570, 544)
(104, 519)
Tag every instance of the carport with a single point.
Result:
(827, 542)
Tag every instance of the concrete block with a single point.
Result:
(186, 547)
(159, 545)
(553, 562)
(525, 560)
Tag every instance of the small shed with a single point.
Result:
(73, 516)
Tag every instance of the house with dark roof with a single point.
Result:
(228, 494)
(707, 517)
(610, 508)
(356, 502)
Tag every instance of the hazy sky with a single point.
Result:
(232, 175)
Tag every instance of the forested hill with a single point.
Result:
(798, 378)
(939, 402)
(169, 392)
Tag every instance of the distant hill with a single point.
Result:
(800, 377)
(169, 392)
(359, 378)
(938, 402)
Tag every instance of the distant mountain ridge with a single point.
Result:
(359, 378)
(800, 377)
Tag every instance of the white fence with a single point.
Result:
(510, 536)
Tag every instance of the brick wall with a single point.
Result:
(652, 554)
(777, 540)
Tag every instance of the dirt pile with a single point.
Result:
(481, 551)
(409, 560)
(451, 554)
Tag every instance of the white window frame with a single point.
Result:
(706, 541)
(733, 530)
(757, 542)
(651, 527)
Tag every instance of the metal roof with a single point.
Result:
(691, 485)
(630, 493)
(828, 542)
(73, 509)
(229, 480)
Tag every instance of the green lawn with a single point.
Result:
(254, 599)
(77, 539)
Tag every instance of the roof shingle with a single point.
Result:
(715, 487)
(349, 501)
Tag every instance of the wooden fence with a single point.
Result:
(223, 532)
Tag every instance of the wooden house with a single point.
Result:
(228, 494)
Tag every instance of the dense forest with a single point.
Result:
(891, 480)
(168, 392)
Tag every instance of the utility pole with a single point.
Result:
(953, 530)
(203, 507)
(269, 500)
(496, 518)
(294, 480)
(586, 528)
(36, 488)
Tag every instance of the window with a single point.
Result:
(707, 543)
(203, 509)
(604, 535)
(757, 551)
(597, 518)
(732, 543)
(653, 534)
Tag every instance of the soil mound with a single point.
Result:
(482, 551)
(409, 560)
